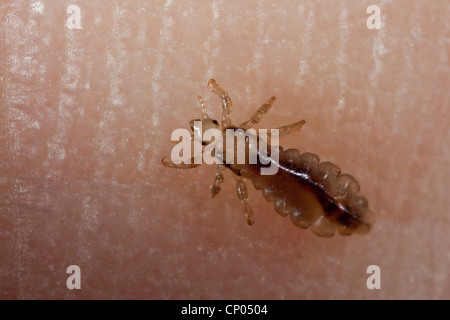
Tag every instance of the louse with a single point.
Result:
(313, 194)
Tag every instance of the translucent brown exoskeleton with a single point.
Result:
(313, 194)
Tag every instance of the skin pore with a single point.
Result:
(87, 115)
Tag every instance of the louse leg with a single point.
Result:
(285, 130)
(218, 180)
(242, 194)
(170, 164)
(227, 104)
(257, 116)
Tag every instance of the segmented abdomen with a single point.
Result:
(313, 194)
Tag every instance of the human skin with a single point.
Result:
(87, 114)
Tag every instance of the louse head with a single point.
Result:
(199, 126)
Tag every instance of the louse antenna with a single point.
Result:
(202, 104)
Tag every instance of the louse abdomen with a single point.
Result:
(313, 194)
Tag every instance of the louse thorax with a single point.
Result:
(240, 148)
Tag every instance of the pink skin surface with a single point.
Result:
(87, 115)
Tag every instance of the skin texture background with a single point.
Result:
(86, 116)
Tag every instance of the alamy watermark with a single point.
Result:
(248, 145)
